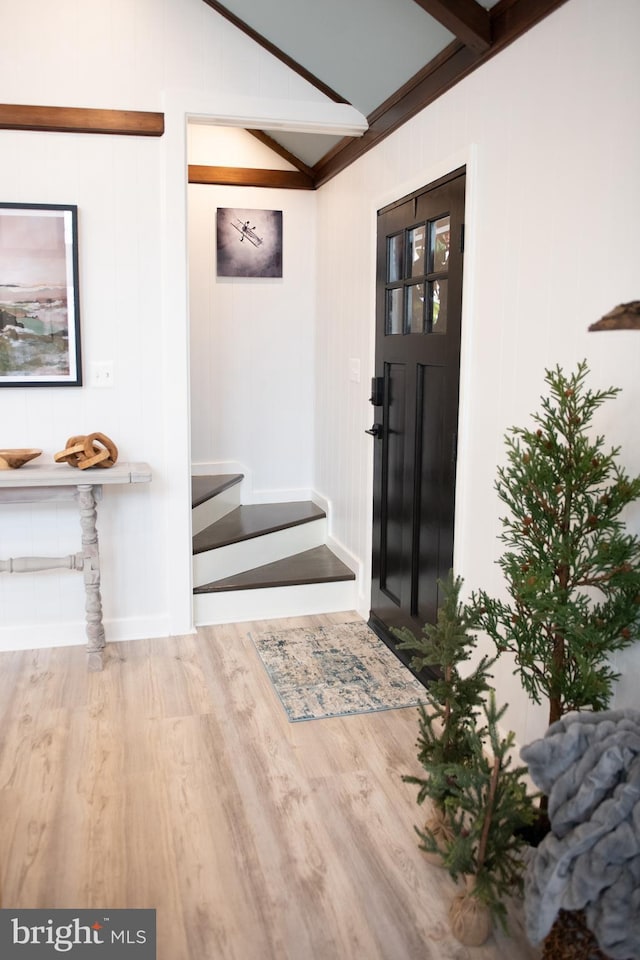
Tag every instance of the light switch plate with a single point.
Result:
(101, 373)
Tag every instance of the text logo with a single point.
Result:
(81, 934)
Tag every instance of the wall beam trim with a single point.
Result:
(276, 51)
(132, 123)
(281, 151)
(249, 177)
(510, 19)
(466, 20)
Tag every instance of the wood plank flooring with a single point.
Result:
(173, 780)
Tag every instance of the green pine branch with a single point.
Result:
(467, 764)
(446, 726)
(487, 805)
(572, 571)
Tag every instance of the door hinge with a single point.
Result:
(462, 238)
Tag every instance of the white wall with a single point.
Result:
(553, 244)
(550, 131)
(252, 339)
(180, 57)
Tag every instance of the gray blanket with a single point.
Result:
(588, 764)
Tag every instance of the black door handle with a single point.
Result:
(375, 431)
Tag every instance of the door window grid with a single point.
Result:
(416, 295)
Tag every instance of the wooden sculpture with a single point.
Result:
(626, 316)
(94, 450)
(15, 458)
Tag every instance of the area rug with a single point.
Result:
(336, 671)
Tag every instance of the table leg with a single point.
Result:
(91, 572)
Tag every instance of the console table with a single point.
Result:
(46, 482)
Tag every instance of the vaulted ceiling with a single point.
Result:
(387, 58)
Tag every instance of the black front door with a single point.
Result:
(415, 397)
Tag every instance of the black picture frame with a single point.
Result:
(39, 296)
(249, 243)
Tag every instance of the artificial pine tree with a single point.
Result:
(446, 728)
(572, 571)
(487, 806)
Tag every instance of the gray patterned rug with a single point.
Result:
(335, 671)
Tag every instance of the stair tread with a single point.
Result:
(318, 565)
(204, 488)
(255, 520)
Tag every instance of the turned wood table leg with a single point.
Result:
(91, 573)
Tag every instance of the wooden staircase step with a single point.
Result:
(255, 520)
(318, 565)
(236, 606)
(204, 488)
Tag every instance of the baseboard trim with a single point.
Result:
(321, 501)
(345, 555)
(73, 634)
(209, 468)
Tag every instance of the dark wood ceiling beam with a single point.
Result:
(281, 151)
(465, 19)
(131, 123)
(425, 87)
(249, 177)
(276, 51)
(509, 20)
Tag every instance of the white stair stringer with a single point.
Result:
(271, 603)
(235, 558)
(215, 508)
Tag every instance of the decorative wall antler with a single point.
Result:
(626, 316)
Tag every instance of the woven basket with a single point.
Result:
(470, 919)
(438, 825)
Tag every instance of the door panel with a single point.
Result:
(393, 572)
(428, 483)
(418, 315)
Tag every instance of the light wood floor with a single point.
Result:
(173, 780)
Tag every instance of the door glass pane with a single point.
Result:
(394, 258)
(416, 251)
(415, 308)
(439, 244)
(394, 311)
(438, 306)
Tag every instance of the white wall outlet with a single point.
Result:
(354, 370)
(101, 373)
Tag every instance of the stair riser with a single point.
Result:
(237, 557)
(236, 606)
(215, 508)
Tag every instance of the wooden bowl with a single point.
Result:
(12, 459)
